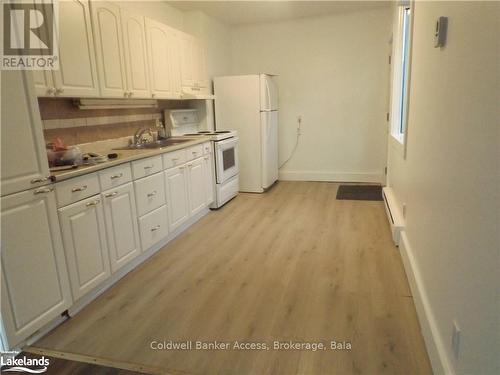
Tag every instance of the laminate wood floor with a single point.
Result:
(294, 264)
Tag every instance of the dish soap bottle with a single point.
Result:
(162, 134)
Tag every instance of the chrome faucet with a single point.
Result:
(139, 133)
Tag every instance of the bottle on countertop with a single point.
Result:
(162, 134)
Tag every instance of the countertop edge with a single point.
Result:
(134, 155)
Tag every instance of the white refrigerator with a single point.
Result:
(249, 104)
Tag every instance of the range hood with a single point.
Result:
(189, 95)
(115, 103)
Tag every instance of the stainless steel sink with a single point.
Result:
(156, 144)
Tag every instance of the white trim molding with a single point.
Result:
(435, 348)
(330, 176)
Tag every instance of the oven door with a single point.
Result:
(226, 159)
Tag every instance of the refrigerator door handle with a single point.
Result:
(268, 95)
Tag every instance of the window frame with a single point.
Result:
(401, 77)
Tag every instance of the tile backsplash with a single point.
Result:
(61, 118)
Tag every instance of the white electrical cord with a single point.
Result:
(299, 122)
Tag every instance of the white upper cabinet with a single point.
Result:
(109, 49)
(193, 68)
(84, 238)
(163, 56)
(77, 74)
(136, 62)
(23, 156)
(121, 225)
(35, 287)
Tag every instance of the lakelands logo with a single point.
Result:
(29, 35)
(24, 364)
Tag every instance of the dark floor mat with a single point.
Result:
(360, 192)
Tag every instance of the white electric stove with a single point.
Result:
(225, 152)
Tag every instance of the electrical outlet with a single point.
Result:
(299, 124)
(455, 339)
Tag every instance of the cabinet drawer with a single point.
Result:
(207, 148)
(149, 193)
(153, 227)
(76, 189)
(146, 167)
(174, 158)
(194, 152)
(115, 176)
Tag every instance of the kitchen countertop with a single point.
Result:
(124, 156)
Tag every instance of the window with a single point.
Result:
(401, 73)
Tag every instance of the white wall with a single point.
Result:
(450, 180)
(333, 71)
(216, 38)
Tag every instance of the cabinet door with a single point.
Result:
(44, 83)
(77, 74)
(35, 287)
(187, 63)
(84, 238)
(23, 157)
(164, 73)
(109, 49)
(196, 184)
(209, 178)
(200, 70)
(121, 225)
(136, 63)
(177, 196)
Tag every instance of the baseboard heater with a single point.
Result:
(393, 214)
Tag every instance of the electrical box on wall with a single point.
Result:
(440, 33)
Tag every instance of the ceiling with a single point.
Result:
(248, 12)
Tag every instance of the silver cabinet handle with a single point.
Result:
(43, 191)
(190, 165)
(81, 188)
(40, 179)
(182, 167)
(51, 91)
(125, 94)
(116, 176)
(94, 203)
(59, 90)
(194, 152)
(148, 166)
(206, 158)
(155, 228)
(175, 159)
(152, 194)
(195, 88)
(153, 95)
(111, 194)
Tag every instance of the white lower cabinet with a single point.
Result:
(35, 287)
(209, 179)
(121, 225)
(84, 237)
(153, 227)
(196, 186)
(150, 193)
(177, 196)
